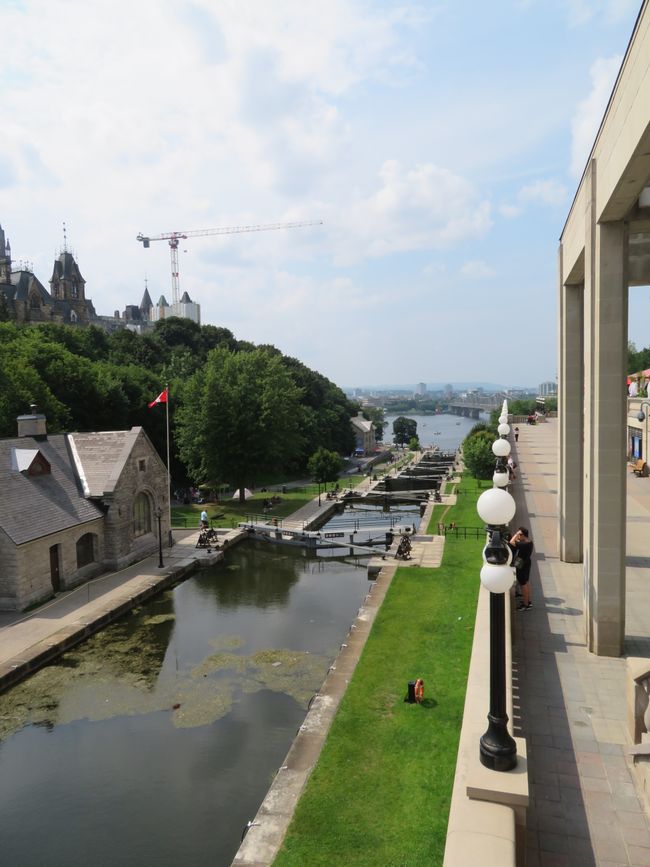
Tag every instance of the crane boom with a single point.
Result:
(174, 237)
(226, 230)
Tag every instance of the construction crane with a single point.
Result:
(175, 237)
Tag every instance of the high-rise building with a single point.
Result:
(547, 389)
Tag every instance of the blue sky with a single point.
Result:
(440, 143)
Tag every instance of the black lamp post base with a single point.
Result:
(498, 751)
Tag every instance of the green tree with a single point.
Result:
(404, 429)
(238, 418)
(324, 466)
(478, 455)
(414, 444)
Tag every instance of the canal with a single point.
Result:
(156, 740)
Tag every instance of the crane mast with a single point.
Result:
(174, 238)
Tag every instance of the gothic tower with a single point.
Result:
(5, 258)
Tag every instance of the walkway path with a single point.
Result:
(584, 808)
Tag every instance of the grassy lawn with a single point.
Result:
(228, 513)
(464, 512)
(380, 792)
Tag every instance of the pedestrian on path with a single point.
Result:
(522, 551)
(516, 434)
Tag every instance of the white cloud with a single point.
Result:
(580, 12)
(590, 111)
(509, 211)
(477, 270)
(549, 192)
(420, 208)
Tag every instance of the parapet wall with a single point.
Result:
(487, 816)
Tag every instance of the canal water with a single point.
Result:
(445, 431)
(154, 742)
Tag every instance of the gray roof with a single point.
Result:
(24, 283)
(35, 506)
(100, 458)
(185, 299)
(146, 302)
(65, 268)
(362, 424)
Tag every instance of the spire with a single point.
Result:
(146, 304)
(65, 239)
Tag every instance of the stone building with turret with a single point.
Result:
(25, 299)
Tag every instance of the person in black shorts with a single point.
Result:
(522, 552)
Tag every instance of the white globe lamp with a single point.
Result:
(496, 579)
(503, 429)
(496, 507)
(500, 480)
(501, 448)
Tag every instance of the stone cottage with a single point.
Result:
(75, 505)
(364, 433)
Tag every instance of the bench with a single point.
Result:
(639, 467)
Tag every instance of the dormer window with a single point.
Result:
(30, 462)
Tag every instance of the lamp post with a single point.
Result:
(160, 557)
(496, 507)
(319, 492)
(643, 416)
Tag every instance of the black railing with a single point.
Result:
(461, 532)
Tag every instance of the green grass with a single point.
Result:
(381, 790)
(464, 512)
(228, 512)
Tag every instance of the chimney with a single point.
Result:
(32, 425)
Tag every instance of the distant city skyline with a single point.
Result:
(443, 174)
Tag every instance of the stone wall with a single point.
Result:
(26, 576)
(121, 545)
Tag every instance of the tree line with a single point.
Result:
(237, 411)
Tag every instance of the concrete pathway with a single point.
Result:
(584, 808)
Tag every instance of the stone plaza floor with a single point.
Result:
(569, 704)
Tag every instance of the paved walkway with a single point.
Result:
(584, 809)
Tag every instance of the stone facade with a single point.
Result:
(74, 506)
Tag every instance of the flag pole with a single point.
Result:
(169, 486)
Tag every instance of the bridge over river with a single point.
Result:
(471, 408)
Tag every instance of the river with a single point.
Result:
(446, 431)
(156, 740)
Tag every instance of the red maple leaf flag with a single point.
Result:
(162, 398)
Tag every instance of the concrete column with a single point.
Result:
(571, 418)
(605, 435)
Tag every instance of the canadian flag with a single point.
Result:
(162, 398)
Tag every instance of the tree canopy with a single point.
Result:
(404, 430)
(478, 455)
(324, 466)
(239, 418)
(87, 379)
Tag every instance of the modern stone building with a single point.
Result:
(604, 249)
(75, 505)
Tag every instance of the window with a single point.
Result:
(86, 550)
(142, 465)
(141, 515)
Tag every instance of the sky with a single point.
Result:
(440, 143)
